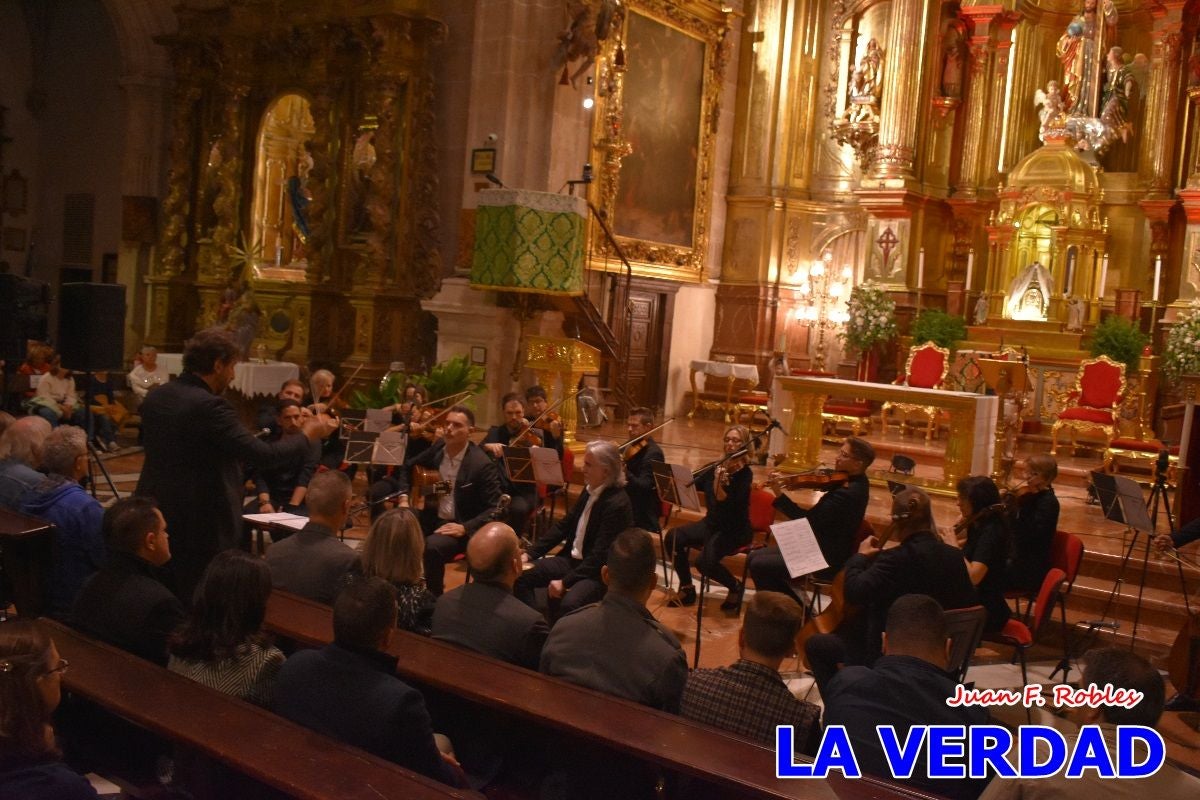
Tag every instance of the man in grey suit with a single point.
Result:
(483, 615)
(312, 562)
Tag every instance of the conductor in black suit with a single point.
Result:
(448, 519)
(639, 475)
(572, 578)
(195, 449)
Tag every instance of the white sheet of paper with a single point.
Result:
(547, 469)
(389, 448)
(378, 420)
(279, 518)
(798, 546)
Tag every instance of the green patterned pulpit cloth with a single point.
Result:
(529, 242)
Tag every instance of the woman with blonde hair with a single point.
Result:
(30, 689)
(394, 550)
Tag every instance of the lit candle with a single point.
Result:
(1103, 276)
(1157, 275)
(921, 269)
(970, 266)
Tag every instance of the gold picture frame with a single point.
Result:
(483, 160)
(658, 84)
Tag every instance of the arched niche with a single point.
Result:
(282, 162)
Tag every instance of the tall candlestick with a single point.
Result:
(1070, 274)
(921, 269)
(970, 267)
(1157, 275)
(1103, 276)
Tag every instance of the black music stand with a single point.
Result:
(360, 447)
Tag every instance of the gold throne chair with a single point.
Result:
(925, 368)
(1095, 402)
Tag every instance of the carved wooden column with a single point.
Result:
(989, 49)
(1162, 99)
(903, 55)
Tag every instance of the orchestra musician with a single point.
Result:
(835, 520)
(639, 475)
(875, 578)
(448, 519)
(986, 542)
(1034, 525)
(725, 527)
(550, 425)
(284, 487)
(524, 495)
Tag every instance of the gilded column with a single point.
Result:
(989, 46)
(1162, 100)
(1002, 43)
(903, 55)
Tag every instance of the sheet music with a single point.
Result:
(675, 485)
(378, 420)
(798, 546)
(547, 469)
(294, 521)
(389, 448)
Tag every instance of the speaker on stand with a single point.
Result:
(91, 338)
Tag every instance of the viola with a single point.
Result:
(963, 525)
(822, 480)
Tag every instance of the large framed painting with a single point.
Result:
(657, 106)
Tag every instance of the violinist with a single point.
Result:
(524, 495)
(1185, 535)
(639, 475)
(1034, 523)
(987, 544)
(725, 527)
(835, 520)
(875, 578)
(550, 425)
(266, 416)
(333, 447)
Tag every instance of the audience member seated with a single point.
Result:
(986, 545)
(907, 686)
(483, 615)
(1127, 670)
(38, 356)
(30, 689)
(394, 550)
(749, 697)
(127, 603)
(146, 375)
(616, 646)
(874, 578)
(312, 562)
(102, 397)
(20, 456)
(349, 690)
(1033, 530)
(284, 487)
(57, 401)
(267, 412)
(572, 578)
(222, 644)
(77, 517)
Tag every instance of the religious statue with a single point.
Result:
(952, 61)
(299, 198)
(1118, 91)
(1029, 293)
(1070, 52)
(863, 105)
(1075, 309)
(980, 315)
(872, 64)
(1052, 108)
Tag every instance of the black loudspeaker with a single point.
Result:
(91, 326)
(23, 307)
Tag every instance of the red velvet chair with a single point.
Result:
(926, 368)
(1021, 636)
(1094, 404)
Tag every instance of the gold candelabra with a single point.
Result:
(824, 293)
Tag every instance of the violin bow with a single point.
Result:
(338, 393)
(530, 425)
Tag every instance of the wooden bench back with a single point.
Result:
(27, 553)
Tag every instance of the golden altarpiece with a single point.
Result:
(301, 207)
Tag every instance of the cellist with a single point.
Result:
(874, 578)
(835, 520)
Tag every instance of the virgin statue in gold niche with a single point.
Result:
(1029, 293)
(281, 194)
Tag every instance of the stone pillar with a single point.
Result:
(1162, 100)
(903, 55)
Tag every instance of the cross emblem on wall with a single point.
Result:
(887, 242)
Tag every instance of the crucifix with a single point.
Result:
(887, 242)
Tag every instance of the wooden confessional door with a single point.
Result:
(651, 306)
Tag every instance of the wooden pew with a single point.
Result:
(27, 549)
(248, 739)
(733, 764)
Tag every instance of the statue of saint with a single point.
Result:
(1121, 87)
(1029, 293)
(979, 317)
(863, 105)
(1070, 52)
(952, 62)
(1052, 108)
(1075, 309)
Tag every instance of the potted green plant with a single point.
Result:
(935, 325)
(1120, 340)
(450, 377)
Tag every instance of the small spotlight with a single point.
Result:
(588, 102)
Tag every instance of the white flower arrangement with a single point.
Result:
(1182, 355)
(872, 317)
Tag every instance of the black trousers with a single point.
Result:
(715, 546)
(552, 568)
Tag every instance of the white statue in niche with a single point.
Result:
(1029, 293)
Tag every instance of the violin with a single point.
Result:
(637, 444)
(528, 437)
(822, 480)
(1016, 497)
(963, 525)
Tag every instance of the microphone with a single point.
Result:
(587, 172)
(491, 176)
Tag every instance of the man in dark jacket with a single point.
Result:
(125, 603)
(483, 615)
(349, 690)
(639, 474)
(572, 578)
(312, 562)
(195, 447)
(523, 494)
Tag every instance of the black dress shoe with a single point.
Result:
(685, 597)
(733, 600)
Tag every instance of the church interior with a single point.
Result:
(967, 232)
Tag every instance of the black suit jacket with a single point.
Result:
(486, 618)
(127, 606)
(610, 515)
(476, 492)
(835, 518)
(195, 447)
(499, 434)
(639, 475)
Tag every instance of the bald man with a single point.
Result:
(20, 458)
(483, 615)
